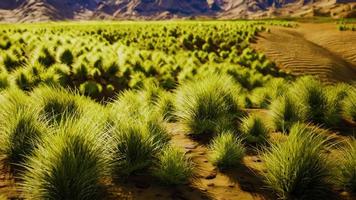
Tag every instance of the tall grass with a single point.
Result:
(56, 104)
(285, 111)
(253, 129)
(134, 148)
(317, 107)
(69, 164)
(208, 105)
(20, 129)
(349, 106)
(226, 150)
(138, 131)
(13, 98)
(347, 166)
(165, 107)
(298, 168)
(65, 56)
(173, 166)
(20, 132)
(4, 81)
(140, 106)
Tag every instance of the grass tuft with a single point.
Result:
(173, 167)
(347, 166)
(226, 150)
(349, 106)
(298, 167)
(317, 107)
(20, 132)
(65, 56)
(134, 148)
(69, 164)
(56, 104)
(208, 105)
(253, 129)
(284, 113)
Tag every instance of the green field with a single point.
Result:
(83, 103)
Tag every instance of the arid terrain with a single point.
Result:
(317, 49)
(312, 49)
(181, 100)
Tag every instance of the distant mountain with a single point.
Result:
(46, 10)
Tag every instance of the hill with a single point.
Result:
(48, 10)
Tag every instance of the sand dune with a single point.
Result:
(328, 54)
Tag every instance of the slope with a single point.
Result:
(312, 49)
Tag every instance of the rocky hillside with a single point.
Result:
(44, 10)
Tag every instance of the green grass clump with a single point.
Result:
(56, 104)
(208, 105)
(65, 56)
(317, 107)
(128, 104)
(157, 129)
(10, 61)
(298, 167)
(13, 98)
(173, 167)
(165, 107)
(20, 127)
(134, 147)
(4, 81)
(91, 88)
(140, 106)
(349, 106)
(253, 129)
(20, 132)
(43, 56)
(261, 97)
(347, 166)
(226, 150)
(69, 164)
(284, 113)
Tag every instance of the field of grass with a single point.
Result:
(83, 105)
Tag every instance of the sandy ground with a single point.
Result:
(312, 49)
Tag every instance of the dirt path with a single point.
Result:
(312, 49)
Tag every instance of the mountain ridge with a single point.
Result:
(52, 10)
